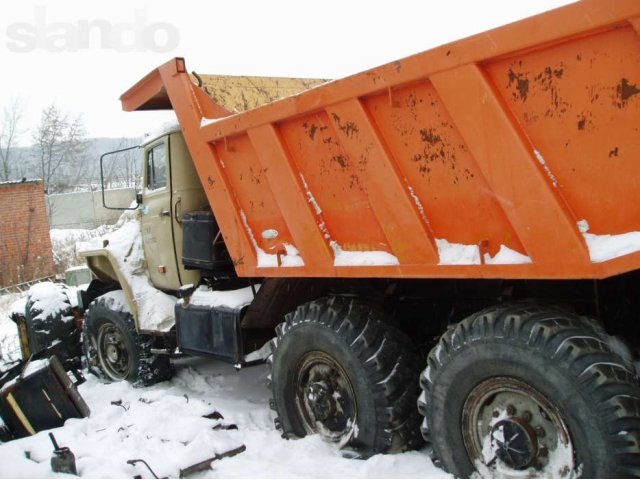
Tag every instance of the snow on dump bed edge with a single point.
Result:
(608, 247)
(155, 308)
(461, 254)
(343, 258)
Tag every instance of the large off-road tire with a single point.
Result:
(530, 391)
(51, 324)
(114, 351)
(337, 369)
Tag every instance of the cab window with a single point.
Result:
(157, 167)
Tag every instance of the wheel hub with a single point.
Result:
(321, 400)
(511, 429)
(325, 400)
(514, 442)
(112, 353)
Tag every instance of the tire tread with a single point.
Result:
(572, 341)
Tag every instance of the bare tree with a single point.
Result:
(9, 134)
(123, 169)
(59, 142)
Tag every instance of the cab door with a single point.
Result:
(156, 221)
(187, 196)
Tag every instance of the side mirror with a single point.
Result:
(104, 202)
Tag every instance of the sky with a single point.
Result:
(82, 55)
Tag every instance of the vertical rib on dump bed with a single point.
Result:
(509, 154)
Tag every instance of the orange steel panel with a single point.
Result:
(579, 105)
(247, 179)
(518, 176)
(547, 229)
(389, 195)
(440, 168)
(332, 177)
(288, 189)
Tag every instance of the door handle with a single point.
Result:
(176, 215)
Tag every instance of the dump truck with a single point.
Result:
(442, 252)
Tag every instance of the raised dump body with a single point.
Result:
(509, 154)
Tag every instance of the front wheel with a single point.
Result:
(114, 350)
(530, 391)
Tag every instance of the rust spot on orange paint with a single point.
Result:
(625, 91)
(340, 160)
(310, 129)
(521, 82)
(348, 128)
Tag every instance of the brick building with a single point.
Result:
(25, 245)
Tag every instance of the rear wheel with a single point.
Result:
(530, 391)
(338, 370)
(114, 350)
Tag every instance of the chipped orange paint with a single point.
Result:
(508, 138)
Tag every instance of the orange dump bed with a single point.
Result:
(510, 154)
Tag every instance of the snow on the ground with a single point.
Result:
(165, 425)
(9, 343)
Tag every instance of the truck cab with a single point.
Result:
(171, 187)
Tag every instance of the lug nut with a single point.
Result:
(526, 416)
(540, 431)
(511, 410)
(496, 414)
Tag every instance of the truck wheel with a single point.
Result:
(338, 370)
(529, 391)
(50, 323)
(112, 348)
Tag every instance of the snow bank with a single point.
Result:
(9, 343)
